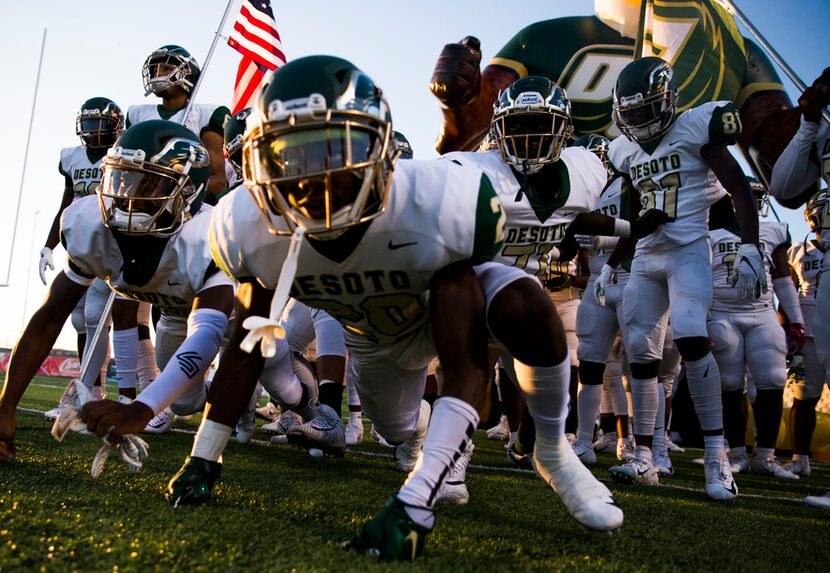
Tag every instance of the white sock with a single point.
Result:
(715, 446)
(737, 452)
(546, 393)
(658, 445)
(146, 363)
(801, 458)
(453, 422)
(645, 402)
(210, 440)
(764, 453)
(355, 417)
(587, 407)
(704, 386)
(125, 346)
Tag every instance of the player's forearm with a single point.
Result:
(788, 299)
(53, 238)
(794, 171)
(217, 184)
(623, 247)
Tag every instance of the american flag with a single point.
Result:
(255, 36)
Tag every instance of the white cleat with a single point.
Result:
(585, 453)
(606, 442)
(246, 426)
(800, 467)
(288, 422)
(454, 489)
(587, 500)
(770, 467)
(376, 437)
(625, 449)
(407, 453)
(819, 501)
(672, 447)
(354, 431)
(52, 414)
(571, 438)
(663, 465)
(739, 464)
(500, 431)
(325, 431)
(636, 470)
(161, 424)
(720, 485)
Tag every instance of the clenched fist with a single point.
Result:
(456, 79)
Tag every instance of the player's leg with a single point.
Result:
(79, 324)
(766, 355)
(690, 295)
(96, 299)
(522, 319)
(728, 348)
(645, 306)
(147, 364)
(596, 328)
(806, 394)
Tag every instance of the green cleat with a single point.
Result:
(391, 535)
(192, 484)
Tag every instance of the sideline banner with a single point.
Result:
(54, 365)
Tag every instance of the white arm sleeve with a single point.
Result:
(784, 288)
(205, 328)
(794, 172)
(125, 347)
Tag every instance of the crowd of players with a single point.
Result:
(569, 262)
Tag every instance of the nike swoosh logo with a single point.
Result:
(673, 142)
(413, 538)
(173, 284)
(733, 489)
(642, 472)
(393, 246)
(566, 213)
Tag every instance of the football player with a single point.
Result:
(151, 246)
(171, 73)
(369, 237)
(747, 333)
(98, 124)
(232, 135)
(805, 160)
(807, 261)
(681, 165)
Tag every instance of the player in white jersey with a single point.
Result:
(678, 163)
(807, 261)
(805, 160)
(98, 124)
(380, 234)
(549, 192)
(150, 245)
(747, 333)
(171, 74)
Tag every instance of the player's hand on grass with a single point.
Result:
(193, 483)
(107, 418)
(8, 429)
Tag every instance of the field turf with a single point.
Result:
(278, 509)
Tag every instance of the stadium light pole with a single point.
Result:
(25, 161)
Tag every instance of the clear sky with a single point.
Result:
(96, 48)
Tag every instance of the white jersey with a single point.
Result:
(807, 258)
(612, 203)
(805, 159)
(532, 229)
(201, 116)
(437, 213)
(85, 174)
(166, 273)
(673, 177)
(725, 245)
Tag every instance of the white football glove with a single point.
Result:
(588, 242)
(602, 282)
(749, 276)
(45, 261)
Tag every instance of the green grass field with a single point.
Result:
(278, 509)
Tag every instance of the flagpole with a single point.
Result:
(216, 36)
(774, 55)
(190, 101)
(25, 160)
